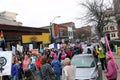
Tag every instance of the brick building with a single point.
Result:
(83, 33)
(63, 31)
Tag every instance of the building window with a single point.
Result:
(107, 28)
(112, 28)
(118, 34)
(70, 33)
(61, 32)
(113, 35)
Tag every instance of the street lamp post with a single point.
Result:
(51, 28)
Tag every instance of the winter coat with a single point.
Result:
(56, 65)
(101, 53)
(46, 71)
(111, 69)
(14, 70)
(25, 64)
(68, 72)
(38, 62)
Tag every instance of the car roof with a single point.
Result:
(83, 55)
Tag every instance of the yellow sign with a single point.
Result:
(44, 38)
(119, 51)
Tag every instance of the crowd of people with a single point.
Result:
(48, 63)
(55, 64)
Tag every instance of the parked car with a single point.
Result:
(86, 68)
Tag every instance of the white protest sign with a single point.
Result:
(51, 46)
(19, 48)
(30, 47)
(5, 62)
(13, 49)
(58, 46)
(103, 40)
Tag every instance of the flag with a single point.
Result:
(107, 43)
(2, 40)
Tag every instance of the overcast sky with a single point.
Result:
(39, 13)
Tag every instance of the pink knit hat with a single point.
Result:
(55, 56)
(109, 54)
(52, 54)
(63, 56)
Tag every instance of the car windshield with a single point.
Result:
(83, 61)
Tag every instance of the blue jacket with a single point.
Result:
(56, 65)
(14, 70)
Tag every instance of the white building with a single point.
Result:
(111, 29)
(9, 18)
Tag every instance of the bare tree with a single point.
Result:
(97, 15)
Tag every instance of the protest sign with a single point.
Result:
(19, 48)
(30, 47)
(34, 51)
(13, 50)
(5, 62)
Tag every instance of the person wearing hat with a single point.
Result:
(68, 72)
(112, 68)
(101, 56)
(56, 66)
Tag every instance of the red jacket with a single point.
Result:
(38, 62)
(69, 53)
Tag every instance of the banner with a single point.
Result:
(5, 62)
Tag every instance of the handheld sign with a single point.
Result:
(5, 62)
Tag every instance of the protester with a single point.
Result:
(14, 70)
(69, 53)
(46, 70)
(102, 57)
(95, 54)
(112, 68)
(62, 63)
(56, 66)
(25, 64)
(32, 66)
(68, 72)
(39, 61)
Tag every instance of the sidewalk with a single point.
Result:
(117, 59)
